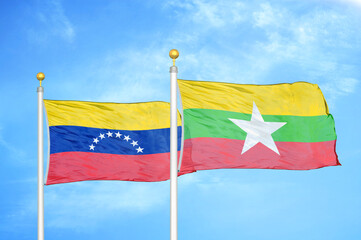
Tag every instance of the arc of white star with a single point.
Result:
(139, 149)
(126, 138)
(101, 136)
(91, 147)
(96, 140)
(258, 131)
(134, 143)
(117, 135)
(109, 134)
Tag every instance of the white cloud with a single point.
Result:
(286, 38)
(348, 85)
(13, 151)
(52, 22)
(230, 42)
(352, 2)
(339, 87)
(124, 75)
(210, 13)
(224, 187)
(267, 16)
(210, 66)
(135, 75)
(83, 205)
(313, 44)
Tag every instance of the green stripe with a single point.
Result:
(216, 123)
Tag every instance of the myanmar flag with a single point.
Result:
(281, 126)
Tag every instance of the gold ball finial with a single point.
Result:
(173, 53)
(40, 76)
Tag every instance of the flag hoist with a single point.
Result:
(173, 148)
(40, 76)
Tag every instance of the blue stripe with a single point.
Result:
(80, 139)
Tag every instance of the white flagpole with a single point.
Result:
(40, 76)
(173, 148)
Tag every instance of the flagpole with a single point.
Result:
(40, 76)
(173, 148)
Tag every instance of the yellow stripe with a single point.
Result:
(297, 99)
(122, 116)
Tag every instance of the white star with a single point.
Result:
(101, 136)
(258, 130)
(139, 149)
(109, 134)
(126, 138)
(91, 147)
(117, 135)
(134, 143)
(96, 140)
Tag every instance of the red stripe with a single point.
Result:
(81, 166)
(215, 153)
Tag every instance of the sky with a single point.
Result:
(117, 51)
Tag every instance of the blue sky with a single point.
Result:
(118, 51)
